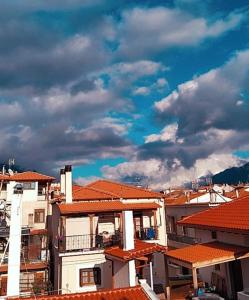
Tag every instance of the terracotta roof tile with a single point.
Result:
(203, 254)
(124, 191)
(30, 176)
(129, 293)
(141, 249)
(103, 206)
(90, 193)
(232, 216)
(181, 198)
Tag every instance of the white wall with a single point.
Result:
(70, 272)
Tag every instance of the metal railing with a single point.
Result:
(182, 238)
(88, 242)
(150, 233)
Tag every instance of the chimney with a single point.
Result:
(69, 187)
(63, 181)
(237, 192)
(128, 230)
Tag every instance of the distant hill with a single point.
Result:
(233, 175)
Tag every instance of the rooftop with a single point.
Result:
(129, 293)
(26, 176)
(141, 249)
(103, 206)
(231, 216)
(208, 254)
(124, 191)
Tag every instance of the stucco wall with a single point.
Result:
(71, 266)
(121, 274)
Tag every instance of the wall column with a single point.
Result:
(195, 279)
(167, 286)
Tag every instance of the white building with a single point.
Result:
(106, 235)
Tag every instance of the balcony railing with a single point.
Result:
(150, 233)
(182, 238)
(88, 242)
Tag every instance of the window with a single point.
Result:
(214, 234)
(217, 267)
(39, 215)
(28, 185)
(90, 276)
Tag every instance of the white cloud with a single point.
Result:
(168, 134)
(142, 90)
(157, 175)
(144, 30)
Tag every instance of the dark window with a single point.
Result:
(90, 276)
(214, 234)
(39, 215)
(217, 267)
(28, 185)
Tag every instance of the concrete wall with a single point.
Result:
(121, 274)
(71, 266)
(245, 272)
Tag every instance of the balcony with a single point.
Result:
(182, 238)
(88, 242)
(146, 234)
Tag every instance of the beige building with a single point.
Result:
(34, 206)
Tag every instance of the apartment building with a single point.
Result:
(106, 235)
(34, 208)
(221, 258)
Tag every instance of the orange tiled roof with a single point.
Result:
(141, 249)
(123, 190)
(26, 267)
(231, 216)
(128, 293)
(30, 176)
(89, 193)
(204, 254)
(179, 199)
(102, 206)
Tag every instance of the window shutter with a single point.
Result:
(97, 275)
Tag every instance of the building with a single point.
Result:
(221, 258)
(34, 205)
(106, 235)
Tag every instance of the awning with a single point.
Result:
(141, 249)
(103, 206)
(208, 254)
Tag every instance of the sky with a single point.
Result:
(148, 92)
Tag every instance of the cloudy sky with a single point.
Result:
(155, 92)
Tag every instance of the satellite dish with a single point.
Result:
(2, 205)
(10, 172)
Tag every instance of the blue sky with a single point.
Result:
(149, 91)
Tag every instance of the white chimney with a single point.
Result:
(69, 184)
(13, 287)
(237, 192)
(63, 181)
(128, 230)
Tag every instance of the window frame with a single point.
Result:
(39, 211)
(92, 279)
